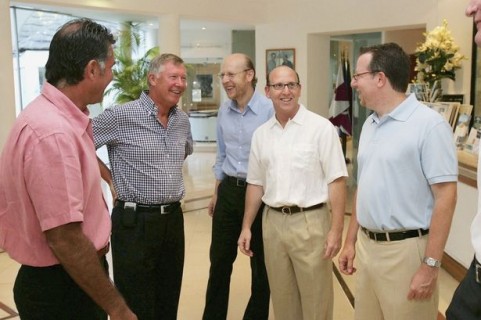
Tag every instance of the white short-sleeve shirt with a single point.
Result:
(295, 164)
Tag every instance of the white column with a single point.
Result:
(169, 34)
(150, 37)
(7, 87)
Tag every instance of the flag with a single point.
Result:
(341, 104)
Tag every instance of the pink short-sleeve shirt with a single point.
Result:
(49, 176)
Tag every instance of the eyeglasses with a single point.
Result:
(230, 75)
(356, 76)
(281, 86)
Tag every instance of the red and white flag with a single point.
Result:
(340, 108)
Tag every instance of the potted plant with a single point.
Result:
(129, 75)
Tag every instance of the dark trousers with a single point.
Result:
(226, 228)
(148, 260)
(466, 302)
(49, 293)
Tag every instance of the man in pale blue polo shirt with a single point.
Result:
(406, 193)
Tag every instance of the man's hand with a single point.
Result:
(346, 260)
(423, 283)
(113, 192)
(123, 314)
(211, 206)
(244, 242)
(333, 244)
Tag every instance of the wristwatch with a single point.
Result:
(432, 262)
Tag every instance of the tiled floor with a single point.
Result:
(199, 186)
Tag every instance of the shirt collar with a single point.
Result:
(403, 111)
(252, 105)
(299, 118)
(149, 104)
(79, 119)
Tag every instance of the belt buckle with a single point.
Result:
(286, 210)
(163, 209)
(477, 272)
(241, 182)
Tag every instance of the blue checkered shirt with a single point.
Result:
(146, 159)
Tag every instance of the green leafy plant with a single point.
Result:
(129, 75)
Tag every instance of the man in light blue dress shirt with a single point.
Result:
(237, 120)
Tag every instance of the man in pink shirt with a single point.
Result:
(53, 218)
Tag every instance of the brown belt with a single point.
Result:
(295, 209)
(103, 251)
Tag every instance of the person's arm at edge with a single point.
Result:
(348, 253)
(106, 175)
(79, 258)
(189, 144)
(219, 161)
(337, 198)
(253, 202)
(424, 280)
(213, 200)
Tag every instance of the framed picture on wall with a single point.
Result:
(279, 57)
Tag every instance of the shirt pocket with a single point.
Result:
(305, 156)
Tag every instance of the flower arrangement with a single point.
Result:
(438, 57)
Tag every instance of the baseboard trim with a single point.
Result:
(10, 312)
(453, 267)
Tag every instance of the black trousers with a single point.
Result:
(49, 293)
(226, 228)
(148, 260)
(466, 302)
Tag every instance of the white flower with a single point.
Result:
(438, 57)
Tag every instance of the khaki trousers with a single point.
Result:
(299, 278)
(385, 270)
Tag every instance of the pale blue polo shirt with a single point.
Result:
(400, 156)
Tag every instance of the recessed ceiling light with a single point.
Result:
(203, 28)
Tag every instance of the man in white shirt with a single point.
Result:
(296, 165)
(466, 302)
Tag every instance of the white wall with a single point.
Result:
(407, 39)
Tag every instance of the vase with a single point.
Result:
(435, 91)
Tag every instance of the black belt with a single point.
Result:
(295, 209)
(161, 208)
(238, 182)
(395, 235)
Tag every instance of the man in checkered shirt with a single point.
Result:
(147, 141)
